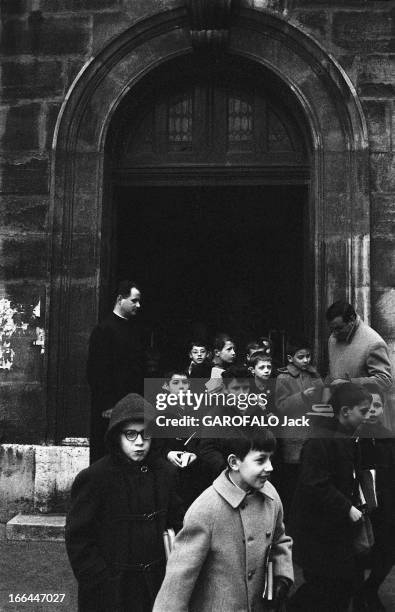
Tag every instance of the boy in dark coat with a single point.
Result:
(298, 385)
(180, 442)
(120, 507)
(324, 516)
(378, 454)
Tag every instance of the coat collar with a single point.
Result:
(353, 329)
(295, 372)
(233, 495)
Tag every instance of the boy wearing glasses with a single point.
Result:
(120, 507)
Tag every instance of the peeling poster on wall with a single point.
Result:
(22, 339)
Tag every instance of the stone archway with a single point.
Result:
(339, 191)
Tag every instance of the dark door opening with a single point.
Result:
(213, 259)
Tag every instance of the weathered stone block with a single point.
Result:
(383, 312)
(23, 257)
(383, 215)
(24, 176)
(46, 35)
(51, 116)
(377, 76)
(56, 468)
(72, 68)
(327, 3)
(19, 127)
(31, 79)
(317, 22)
(108, 25)
(23, 213)
(58, 6)
(31, 527)
(14, 7)
(383, 261)
(378, 117)
(22, 408)
(382, 171)
(16, 480)
(363, 30)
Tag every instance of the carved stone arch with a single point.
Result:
(339, 203)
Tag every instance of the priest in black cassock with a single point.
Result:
(115, 362)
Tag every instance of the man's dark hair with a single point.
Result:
(348, 394)
(124, 288)
(374, 388)
(238, 372)
(297, 344)
(260, 439)
(341, 309)
(220, 340)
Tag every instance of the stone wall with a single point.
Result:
(37, 479)
(44, 45)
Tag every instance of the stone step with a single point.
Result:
(36, 527)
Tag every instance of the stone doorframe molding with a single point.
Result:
(339, 200)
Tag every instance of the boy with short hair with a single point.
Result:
(224, 356)
(120, 507)
(378, 455)
(230, 532)
(236, 384)
(199, 369)
(261, 369)
(180, 448)
(324, 514)
(175, 381)
(297, 386)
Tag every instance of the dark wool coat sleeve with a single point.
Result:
(81, 542)
(317, 481)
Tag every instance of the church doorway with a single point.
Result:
(210, 197)
(215, 258)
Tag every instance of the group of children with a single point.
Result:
(233, 552)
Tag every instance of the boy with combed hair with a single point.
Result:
(325, 514)
(219, 558)
(297, 386)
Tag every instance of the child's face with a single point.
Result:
(177, 384)
(238, 386)
(227, 354)
(137, 449)
(301, 359)
(253, 470)
(262, 369)
(376, 410)
(356, 415)
(198, 354)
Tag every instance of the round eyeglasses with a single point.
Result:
(132, 434)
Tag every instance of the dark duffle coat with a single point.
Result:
(218, 561)
(114, 532)
(319, 520)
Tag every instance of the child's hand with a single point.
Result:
(355, 514)
(188, 458)
(310, 392)
(175, 457)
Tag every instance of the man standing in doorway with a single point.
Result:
(115, 362)
(357, 353)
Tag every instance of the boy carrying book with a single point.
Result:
(220, 557)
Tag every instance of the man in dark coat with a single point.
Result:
(115, 362)
(120, 507)
(324, 515)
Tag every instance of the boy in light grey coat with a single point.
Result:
(230, 531)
